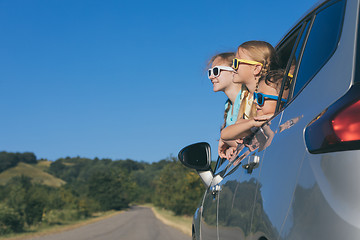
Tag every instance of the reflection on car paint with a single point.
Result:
(261, 140)
(288, 124)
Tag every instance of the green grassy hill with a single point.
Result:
(35, 171)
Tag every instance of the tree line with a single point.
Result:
(9, 160)
(94, 185)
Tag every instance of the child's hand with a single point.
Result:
(222, 148)
(226, 148)
(263, 117)
(259, 120)
(230, 152)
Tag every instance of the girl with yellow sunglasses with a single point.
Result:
(253, 61)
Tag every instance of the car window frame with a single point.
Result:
(310, 17)
(302, 27)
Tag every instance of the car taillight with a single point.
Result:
(337, 128)
(346, 124)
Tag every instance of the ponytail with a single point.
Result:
(228, 102)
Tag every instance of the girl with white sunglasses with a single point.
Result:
(221, 75)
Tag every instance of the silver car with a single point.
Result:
(298, 176)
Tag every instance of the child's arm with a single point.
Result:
(238, 130)
(242, 127)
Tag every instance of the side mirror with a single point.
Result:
(196, 156)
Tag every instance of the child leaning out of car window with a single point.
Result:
(265, 98)
(253, 61)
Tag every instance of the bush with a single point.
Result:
(54, 217)
(34, 210)
(87, 206)
(112, 189)
(178, 189)
(10, 220)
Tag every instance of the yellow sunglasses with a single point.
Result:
(236, 62)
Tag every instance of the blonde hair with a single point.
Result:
(227, 57)
(264, 53)
(243, 105)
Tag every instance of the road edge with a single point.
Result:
(168, 222)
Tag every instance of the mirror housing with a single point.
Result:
(198, 156)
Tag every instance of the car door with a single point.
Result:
(208, 222)
(240, 210)
(235, 195)
(209, 207)
(257, 193)
(283, 159)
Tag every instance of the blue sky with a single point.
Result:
(121, 79)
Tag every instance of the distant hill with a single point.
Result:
(34, 171)
(43, 165)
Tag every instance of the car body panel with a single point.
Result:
(209, 217)
(289, 193)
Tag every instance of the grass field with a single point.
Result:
(183, 223)
(43, 165)
(35, 171)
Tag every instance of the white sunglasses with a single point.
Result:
(216, 70)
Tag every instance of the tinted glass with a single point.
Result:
(295, 60)
(234, 63)
(301, 42)
(285, 48)
(321, 43)
(215, 71)
(259, 98)
(285, 51)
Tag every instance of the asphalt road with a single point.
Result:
(134, 224)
